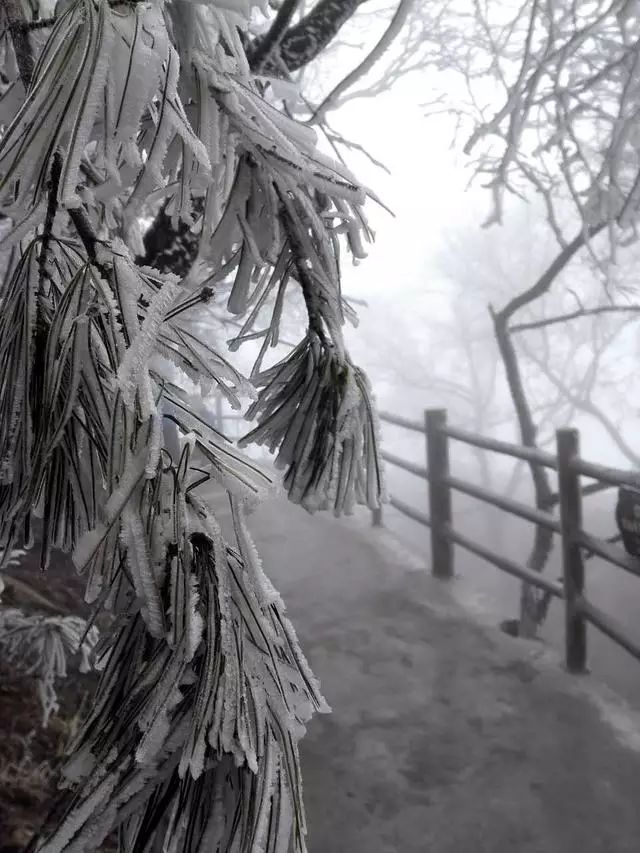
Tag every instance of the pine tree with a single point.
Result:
(109, 111)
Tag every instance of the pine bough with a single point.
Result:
(40, 645)
(191, 743)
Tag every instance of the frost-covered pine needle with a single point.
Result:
(191, 743)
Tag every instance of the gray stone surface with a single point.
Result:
(446, 736)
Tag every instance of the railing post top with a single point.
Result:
(568, 438)
(435, 416)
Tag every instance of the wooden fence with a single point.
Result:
(576, 542)
(230, 424)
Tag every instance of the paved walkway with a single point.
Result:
(446, 736)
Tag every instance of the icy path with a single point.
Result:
(446, 736)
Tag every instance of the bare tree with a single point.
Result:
(554, 358)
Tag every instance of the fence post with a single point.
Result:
(219, 421)
(435, 420)
(568, 448)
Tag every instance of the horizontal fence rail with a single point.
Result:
(409, 511)
(528, 454)
(416, 426)
(609, 552)
(537, 516)
(577, 544)
(418, 470)
(585, 491)
(610, 476)
(507, 566)
(608, 626)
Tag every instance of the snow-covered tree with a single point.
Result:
(109, 112)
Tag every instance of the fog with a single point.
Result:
(426, 340)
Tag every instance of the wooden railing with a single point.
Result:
(577, 544)
(231, 418)
(236, 421)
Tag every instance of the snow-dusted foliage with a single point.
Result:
(191, 744)
(39, 645)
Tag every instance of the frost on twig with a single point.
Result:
(567, 82)
(40, 645)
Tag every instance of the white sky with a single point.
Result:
(428, 190)
(424, 190)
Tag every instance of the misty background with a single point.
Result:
(425, 333)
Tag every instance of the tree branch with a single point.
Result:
(262, 49)
(585, 404)
(88, 237)
(394, 28)
(52, 207)
(583, 312)
(22, 588)
(543, 538)
(19, 27)
(545, 281)
(304, 275)
(311, 35)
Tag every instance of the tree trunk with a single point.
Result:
(302, 43)
(533, 604)
(543, 538)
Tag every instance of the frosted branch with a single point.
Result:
(389, 35)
